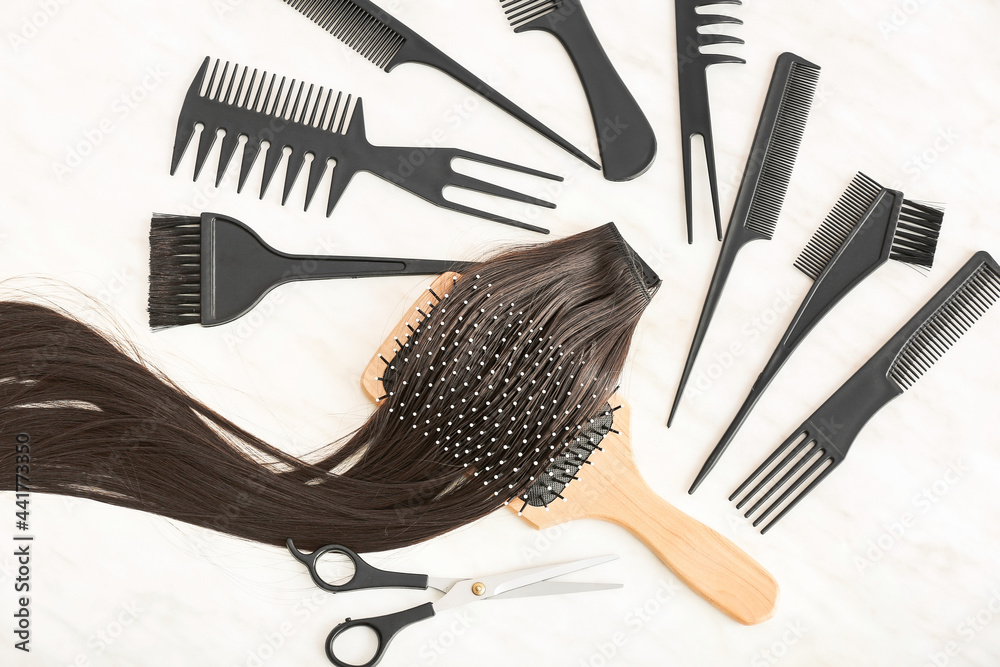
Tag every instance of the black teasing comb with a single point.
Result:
(823, 441)
(765, 182)
(376, 35)
(624, 135)
(696, 112)
(213, 269)
(316, 121)
(869, 226)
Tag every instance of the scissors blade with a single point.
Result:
(502, 583)
(554, 588)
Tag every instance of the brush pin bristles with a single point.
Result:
(782, 149)
(355, 26)
(174, 271)
(947, 325)
(521, 12)
(845, 216)
(917, 232)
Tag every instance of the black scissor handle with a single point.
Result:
(365, 576)
(384, 627)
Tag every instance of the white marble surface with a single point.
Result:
(908, 95)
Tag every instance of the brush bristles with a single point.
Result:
(174, 271)
(917, 232)
(520, 12)
(354, 26)
(782, 149)
(948, 324)
(550, 485)
(845, 216)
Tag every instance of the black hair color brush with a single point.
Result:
(213, 269)
(869, 226)
(765, 182)
(626, 139)
(376, 35)
(822, 442)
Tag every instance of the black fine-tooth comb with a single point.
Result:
(823, 441)
(625, 137)
(869, 226)
(765, 182)
(315, 121)
(213, 269)
(376, 35)
(696, 112)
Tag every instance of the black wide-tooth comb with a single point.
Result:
(696, 112)
(869, 226)
(624, 135)
(212, 269)
(376, 35)
(315, 121)
(822, 442)
(765, 182)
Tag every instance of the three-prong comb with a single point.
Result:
(869, 226)
(696, 112)
(822, 442)
(312, 120)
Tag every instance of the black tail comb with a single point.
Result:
(765, 182)
(821, 444)
(386, 42)
(273, 114)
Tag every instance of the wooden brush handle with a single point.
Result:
(707, 562)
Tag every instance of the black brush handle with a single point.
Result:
(866, 248)
(843, 415)
(737, 236)
(419, 50)
(625, 137)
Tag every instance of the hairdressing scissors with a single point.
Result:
(520, 583)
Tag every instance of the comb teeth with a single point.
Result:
(520, 12)
(946, 326)
(917, 233)
(845, 216)
(355, 26)
(174, 271)
(782, 149)
(294, 101)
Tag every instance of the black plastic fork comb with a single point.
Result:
(310, 120)
(696, 115)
